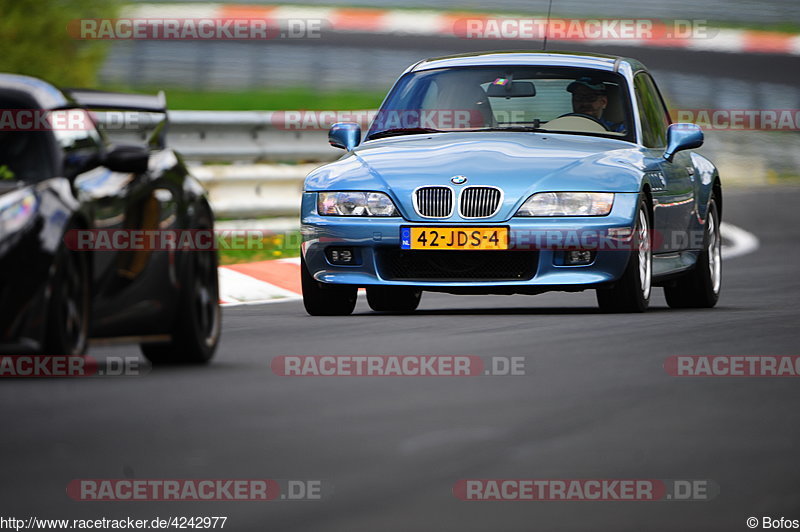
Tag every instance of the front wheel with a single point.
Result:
(68, 313)
(631, 293)
(198, 325)
(321, 299)
(700, 287)
(393, 298)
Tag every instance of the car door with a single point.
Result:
(113, 201)
(671, 181)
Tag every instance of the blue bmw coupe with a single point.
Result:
(514, 173)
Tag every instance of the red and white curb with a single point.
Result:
(267, 281)
(443, 24)
(275, 281)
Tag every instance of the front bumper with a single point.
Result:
(543, 241)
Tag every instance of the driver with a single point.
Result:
(590, 97)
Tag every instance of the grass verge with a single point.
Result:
(250, 247)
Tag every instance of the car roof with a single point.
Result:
(46, 95)
(528, 57)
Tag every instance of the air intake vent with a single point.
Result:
(480, 202)
(404, 265)
(434, 202)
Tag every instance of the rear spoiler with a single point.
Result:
(94, 99)
(150, 128)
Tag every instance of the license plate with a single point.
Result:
(454, 238)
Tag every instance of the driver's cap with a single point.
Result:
(597, 86)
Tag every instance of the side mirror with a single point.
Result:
(682, 137)
(127, 159)
(345, 135)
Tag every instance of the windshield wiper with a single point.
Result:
(394, 132)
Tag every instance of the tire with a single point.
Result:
(67, 327)
(198, 324)
(322, 299)
(393, 299)
(631, 293)
(700, 287)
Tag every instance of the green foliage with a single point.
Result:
(270, 99)
(6, 172)
(35, 39)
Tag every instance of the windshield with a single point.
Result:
(507, 98)
(24, 156)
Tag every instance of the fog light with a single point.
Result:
(579, 256)
(341, 256)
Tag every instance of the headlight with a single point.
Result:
(16, 208)
(355, 204)
(567, 204)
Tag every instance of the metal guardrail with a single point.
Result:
(226, 136)
(240, 156)
(253, 166)
(254, 190)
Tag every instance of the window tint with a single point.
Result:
(24, 156)
(652, 112)
(480, 98)
(79, 140)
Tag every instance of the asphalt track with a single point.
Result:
(596, 403)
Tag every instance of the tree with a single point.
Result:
(35, 39)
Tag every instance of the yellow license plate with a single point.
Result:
(454, 238)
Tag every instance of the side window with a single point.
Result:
(652, 112)
(78, 138)
(25, 156)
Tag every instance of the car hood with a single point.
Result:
(519, 163)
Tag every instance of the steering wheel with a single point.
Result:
(588, 117)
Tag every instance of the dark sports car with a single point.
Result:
(57, 180)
